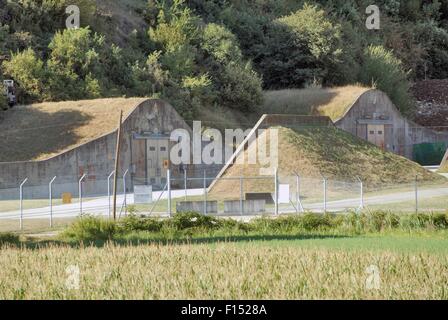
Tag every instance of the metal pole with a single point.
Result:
(21, 202)
(241, 196)
(276, 190)
(416, 194)
(205, 193)
(325, 194)
(80, 192)
(185, 183)
(124, 190)
(108, 190)
(50, 192)
(168, 181)
(117, 163)
(297, 192)
(361, 185)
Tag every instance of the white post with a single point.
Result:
(361, 185)
(205, 192)
(325, 195)
(168, 181)
(276, 190)
(80, 192)
(108, 190)
(21, 202)
(124, 189)
(416, 194)
(299, 205)
(241, 196)
(185, 183)
(50, 193)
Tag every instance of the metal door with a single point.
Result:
(375, 134)
(158, 154)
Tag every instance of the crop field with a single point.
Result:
(279, 269)
(375, 255)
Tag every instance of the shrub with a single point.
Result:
(317, 38)
(439, 220)
(382, 69)
(308, 222)
(380, 220)
(6, 238)
(183, 221)
(240, 87)
(28, 71)
(312, 221)
(134, 223)
(3, 102)
(89, 228)
(422, 221)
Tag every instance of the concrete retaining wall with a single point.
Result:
(197, 206)
(249, 206)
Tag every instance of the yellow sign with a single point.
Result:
(66, 198)
(166, 164)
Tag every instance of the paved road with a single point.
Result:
(100, 206)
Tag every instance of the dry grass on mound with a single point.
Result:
(331, 102)
(331, 152)
(42, 130)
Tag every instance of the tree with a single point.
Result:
(28, 72)
(75, 55)
(386, 72)
(221, 44)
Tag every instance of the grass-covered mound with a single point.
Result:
(332, 152)
(330, 102)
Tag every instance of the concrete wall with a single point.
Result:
(401, 134)
(95, 158)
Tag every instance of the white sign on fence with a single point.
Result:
(283, 193)
(142, 194)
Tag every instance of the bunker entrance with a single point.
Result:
(152, 159)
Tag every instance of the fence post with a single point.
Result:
(21, 202)
(361, 185)
(205, 192)
(108, 190)
(80, 192)
(168, 181)
(241, 195)
(125, 192)
(276, 190)
(325, 195)
(185, 183)
(299, 205)
(416, 194)
(50, 194)
(297, 192)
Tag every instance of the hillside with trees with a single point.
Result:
(221, 53)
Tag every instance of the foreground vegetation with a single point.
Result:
(374, 255)
(192, 225)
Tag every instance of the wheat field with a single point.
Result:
(220, 271)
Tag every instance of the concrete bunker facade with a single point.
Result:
(145, 153)
(373, 117)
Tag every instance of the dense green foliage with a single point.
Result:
(8, 238)
(202, 54)
(193, 224)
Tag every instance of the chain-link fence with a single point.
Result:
(56, 201)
